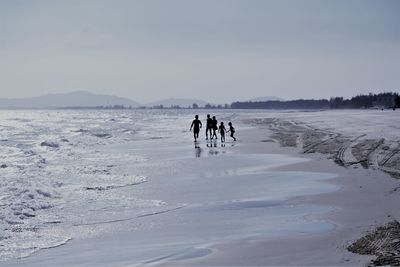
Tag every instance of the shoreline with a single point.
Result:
(216, 187)
(366, 200)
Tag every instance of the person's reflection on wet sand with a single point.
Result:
(214, 145)
(197, 150)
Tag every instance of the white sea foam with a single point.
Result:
(55, 174)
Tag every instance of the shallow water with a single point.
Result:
(73, 175)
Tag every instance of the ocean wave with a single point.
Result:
(158, 212)
(109, 187)
(69, 169)
(102, 135)
(50, 144)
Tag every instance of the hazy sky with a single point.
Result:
(217, 50)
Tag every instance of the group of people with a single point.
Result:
(211, 128)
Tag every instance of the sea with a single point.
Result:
(71, 175)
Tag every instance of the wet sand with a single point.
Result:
(358, 141)
(367, 200)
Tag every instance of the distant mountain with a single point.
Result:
(182, 102)
(72, 99)
(266, 98)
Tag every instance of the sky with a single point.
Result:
(216, 50)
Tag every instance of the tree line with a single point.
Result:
(381, 100)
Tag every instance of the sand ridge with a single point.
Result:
(379, 153)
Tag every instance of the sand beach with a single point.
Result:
(105, 159)
(297, 188)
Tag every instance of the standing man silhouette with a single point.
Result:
(209, 126)
(214, 127)
(196, 125)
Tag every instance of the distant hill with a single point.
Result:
(72, 99)
(182, 102)
(266, 98)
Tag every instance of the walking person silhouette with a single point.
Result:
(222, 131)
(209, 126)
(214, 127)
(232, 130)
(196, 125)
